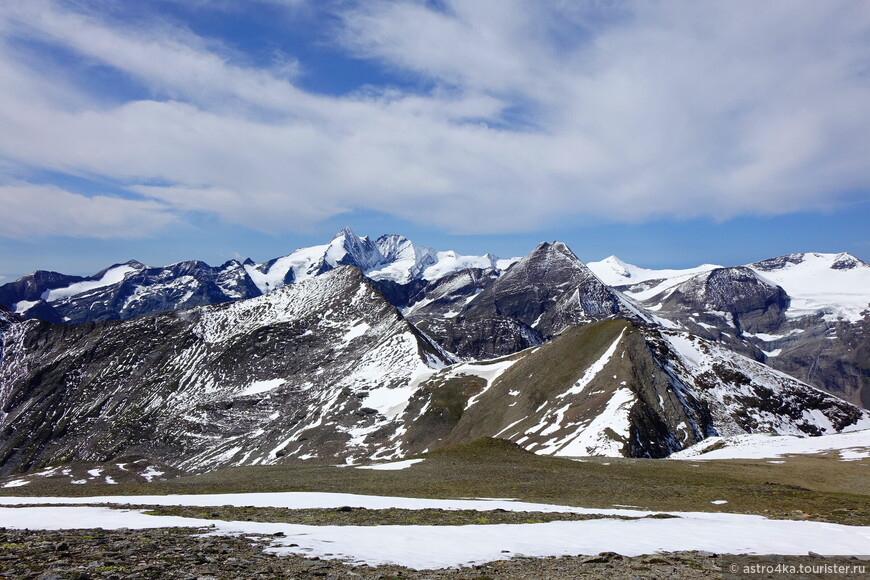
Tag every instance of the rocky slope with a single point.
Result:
(327, 370)
(618, 389)
(805, 314)
(420, 349)
(537, 298)
(313, 369)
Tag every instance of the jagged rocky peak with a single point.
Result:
(395, 247)
(551, 265)
(550, 280)
(346, 248)
(403, 260)
(535, 299)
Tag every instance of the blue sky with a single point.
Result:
(667, 133)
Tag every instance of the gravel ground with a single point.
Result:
(183, 554)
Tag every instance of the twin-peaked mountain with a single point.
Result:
(359, 350)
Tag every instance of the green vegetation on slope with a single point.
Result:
(809, 487)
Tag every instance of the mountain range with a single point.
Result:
(362, 350)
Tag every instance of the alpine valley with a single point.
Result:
(362, 350)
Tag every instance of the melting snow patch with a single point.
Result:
(685, 347)
(16, 483)
(258, 387)
(719, 502)
(389, 402)
(854, 454)
(393, 466)
(150, 473)
(112, 276)
(24, 305)
(765, 446)
(595, 439)
(431, 547)
(356, 331)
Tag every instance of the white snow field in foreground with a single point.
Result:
(428, 547)
(852, 446)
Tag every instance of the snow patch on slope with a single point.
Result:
(258, 387)
(110, 277)
(852, 445)
(614, 272)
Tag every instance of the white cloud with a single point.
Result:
(35, 211)
(539, 113)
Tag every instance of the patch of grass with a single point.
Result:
(366, 517)
(818, 488)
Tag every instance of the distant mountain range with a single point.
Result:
(361, 349)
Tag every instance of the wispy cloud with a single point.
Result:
(535, 113)
(34, 211)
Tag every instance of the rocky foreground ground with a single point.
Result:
(187, 554)
(179, 553)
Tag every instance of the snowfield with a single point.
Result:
(851, 446)
(430, 547)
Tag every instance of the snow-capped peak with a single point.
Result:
(615, 272)
(835, 284)
(403, 260)
(390, 257)
(619, 267)
(348, 248)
